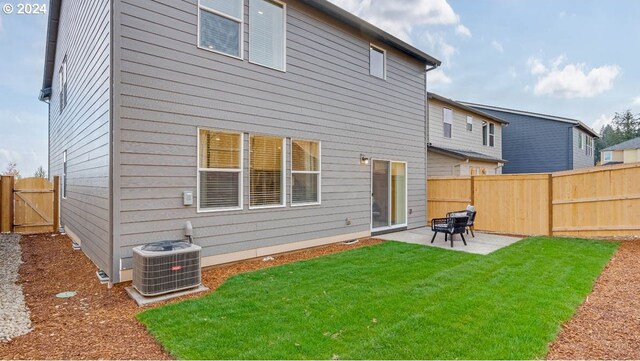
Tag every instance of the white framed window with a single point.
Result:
(221, 26)
(219, 170)
(580, 140)
(267, 33)
(447, 122)
(64, 174)
(485, 133)
(306, 173)
(469, 123)
(267, 181)
(492, 135)
(377, 62)
(62, 76)
(589, 142)
(607, 156)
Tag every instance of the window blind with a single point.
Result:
(221, 26)
(447, 117)
(220, 169)
(266, 171)
(266, 33)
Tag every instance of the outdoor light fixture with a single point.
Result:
(364, 160)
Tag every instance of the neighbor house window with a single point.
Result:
(377, 62)
(589, 145)
(580, 140)
(492, 135)
(63, 84)
(469, 123)
(221, 25)
(267, 37)
(305, 172)
(447, 121)
(607, 156)
(266, 171)
(64, 174)
(219, 170)
(485, 133)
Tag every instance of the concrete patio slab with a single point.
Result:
(482, 243)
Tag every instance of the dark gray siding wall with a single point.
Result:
(168, 87)
(83, 126)
(535, 145)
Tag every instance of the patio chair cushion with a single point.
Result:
(458, 214)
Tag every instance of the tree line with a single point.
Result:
(12, 170)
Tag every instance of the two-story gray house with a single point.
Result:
(540, 143)
(463, 140)
(269, 125)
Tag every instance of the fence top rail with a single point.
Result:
(602, 168)
(502, 177)
(436, 178)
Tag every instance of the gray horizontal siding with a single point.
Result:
(169, 87)
(580, 157)
(83, 127)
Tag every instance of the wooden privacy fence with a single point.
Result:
(596, 202)
(29, 205)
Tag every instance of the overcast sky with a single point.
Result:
(572, 58)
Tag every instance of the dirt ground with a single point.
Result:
(99, 323)
(607, 325)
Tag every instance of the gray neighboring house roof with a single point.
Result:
(466, 154)
(465, 107)
(629, 144)
(321, 5)
(576, 122)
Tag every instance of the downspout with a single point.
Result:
(426, 134)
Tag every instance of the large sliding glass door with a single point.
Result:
(388, 195)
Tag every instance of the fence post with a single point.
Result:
(56, 203)
(6, 203)
(473, 191)
(550, 204)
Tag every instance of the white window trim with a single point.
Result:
(318, 172)
(241, 171)
(283, 172)
(444, 121)
(469, 122)
(240, 20)
(485, 126)
(65, 170)
(406, 195)
(491, 135)
(284, 40)
(589, 145)
(581, 140)
(384, 61)
(607, 156)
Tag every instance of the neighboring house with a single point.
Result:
(463, 140)
(625, 152)
(540, 143)
(266, 124)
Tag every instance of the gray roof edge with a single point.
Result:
(576, 122)
(627, 144)
(361, 24)
(465, 107)
(458, 153)
(50, 50)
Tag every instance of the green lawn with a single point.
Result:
(391, 301)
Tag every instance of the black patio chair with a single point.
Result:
(449, 226)
(472, 217)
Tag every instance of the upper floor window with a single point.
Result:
(219, 170)
(63, 84)
(305, 172)
(492, 135)
(377, 62)
(485, 133)
(607, 156)
(221, 26)
(447, 121)
(64, 174)
(589, 146)
(266, 172)
(469, 123)
(267, 35)
(580, 140)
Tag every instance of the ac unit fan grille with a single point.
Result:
(166, 273)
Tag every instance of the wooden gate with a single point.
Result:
(30, 205)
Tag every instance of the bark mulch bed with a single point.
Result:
(99, 323)
(607, 325)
